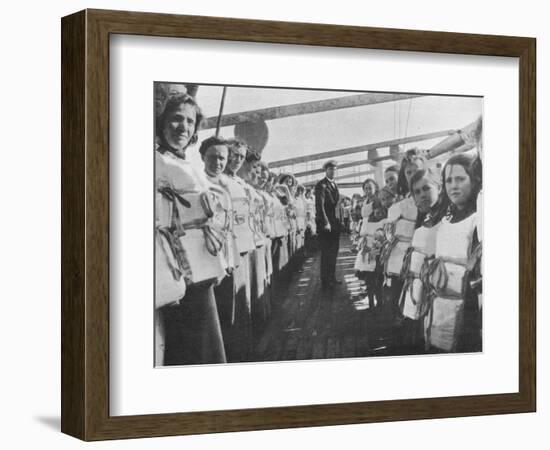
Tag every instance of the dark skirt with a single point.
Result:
(192, 331)
(234, 301)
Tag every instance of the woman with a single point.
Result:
(250, 172)
(214, 154)
(453, 323)
(391, 175)
(425, 187)
(300, 208)
(370, 192)
(402, 217)
(282, 228)
(185, 212)
(387, 198)
(264, 187)
(234, 293)
(356, 204)
(311, 228)
(365, 262)
(289, 181)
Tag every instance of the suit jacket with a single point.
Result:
(326, 201)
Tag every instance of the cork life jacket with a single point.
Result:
(447, 276)
(189, 214)
(279, 218)
(223, 219)
(256, 217)
(240, 199)
(282, 215)
(419, 254)
(310, 214)
(399, 231)
(369, 245)
(300, 214)
(269, 214)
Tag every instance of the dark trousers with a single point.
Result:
(329, 242)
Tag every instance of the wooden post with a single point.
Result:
(378, 168)
(221, 111)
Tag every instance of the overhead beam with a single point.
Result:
(298, 109)
(454, 142)
(343, 165)
(460, 149)
(360, 148)
(356, 174)
(350, 184)
(466, 136)
(350, 175)
(350, 164)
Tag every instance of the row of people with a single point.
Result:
(225, 235)
(419, 253)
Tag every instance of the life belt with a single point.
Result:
(255, 218)
(197, 259)
(369, 247)
(447, 282)
(170, 283)
(242, 232)
(218, 203)
(268, 215)
(399, 235)
(279, 217)
(413, 298)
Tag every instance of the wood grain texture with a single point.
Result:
(85, 224)
(527, 224)
(73, 271)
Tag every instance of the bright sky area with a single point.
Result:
(331, 130)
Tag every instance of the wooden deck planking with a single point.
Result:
(312, 322)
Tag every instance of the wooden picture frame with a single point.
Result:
(85, 224)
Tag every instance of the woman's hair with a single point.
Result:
(428, 173)
(300, 189)
(285, 176)
(378, 211)
(392, 168)
(171, 105)
(234, 143)
(472, 167)
(211, 141)
(441, 206)
(388, 191)
(252, 155)
(374, 183)
(410, 157)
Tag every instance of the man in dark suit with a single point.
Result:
(328, 223)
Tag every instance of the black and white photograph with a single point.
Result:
(300, 224)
